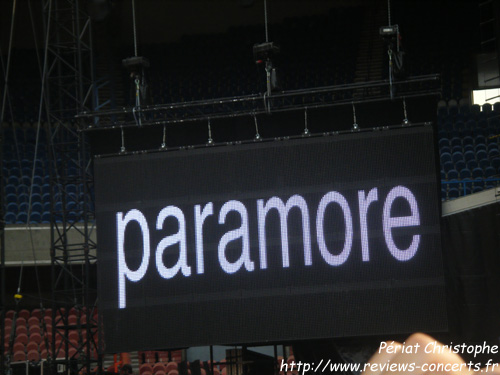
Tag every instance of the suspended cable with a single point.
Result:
(135, 29)
(265, 21)
(389, 11)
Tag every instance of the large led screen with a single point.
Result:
(318, 237)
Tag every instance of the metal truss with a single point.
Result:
(2, 260)
(284, 101)
(69, 89)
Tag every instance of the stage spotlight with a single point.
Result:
(264, 53)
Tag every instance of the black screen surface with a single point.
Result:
(319, 237)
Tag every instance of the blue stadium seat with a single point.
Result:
(444, 149)
(46, 217)
(493, 153)
(495, 163)
(13, 179)
(475, 109)
(471, 164)
(37, 207)
(480, 139)
(453, 174)
(35, 218)
(456, 141)
(467, 189)
(477, 189)
(459, 165)
(469, 155)
(490, 172)
(445, 158)
(453, 193)
(465, 174)
(11, 198)
(484, 163)
(480, 155)
(10, 189)
(45, 189)
(467, 140)
(489, 184)
(12, 207)
(457, 156)
(477, 173)
(10, 218)
(444, 142)
(22, 218)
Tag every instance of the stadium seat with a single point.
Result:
(22, 337)
(21, 329)
(32, 345)
(471, 164)
(19, 356)
(19, 346)
(145, 367)
(453, 174)
(453, 193)
(459, 165)
(490, 172)
(34, 329)
(484, 163)
(477, 173)
(445, 157)
(465, 174)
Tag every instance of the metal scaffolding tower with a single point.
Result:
(69, 89)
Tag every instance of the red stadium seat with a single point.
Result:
(32, 345)
(146, 367)
(73, 335)
(36, 337)
(173, 372)
(158, 367)
(33, 355)
(10, 314)
(33, 321)
(171, 366)
(61, 354)
(36, 313)
(34, 329)
(19, 356)
(19, 347)
(72, 352)
(22, 337)
(72, 320)
(48, 312)
(21, 329)
(24, 314)
(161, 372)
(20, 322)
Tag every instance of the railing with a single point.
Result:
(488, 183)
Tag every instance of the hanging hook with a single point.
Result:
(355, 125)
(163, 143)
(405, 120)
(122, 149)
(210, 140)
(257, 135)
(306, 129)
